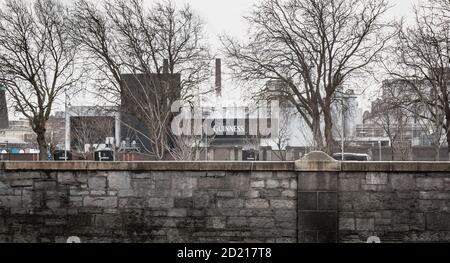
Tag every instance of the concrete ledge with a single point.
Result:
(147, 166)
(308, 164)
(395, 167)
(317, 162)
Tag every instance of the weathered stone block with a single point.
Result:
(70, 178)
(238, 181)
(402, 181)
(288, 193)
(258, 184)
(237, 222)
(430, 184)
(376, 178)
(261, 222)
(285, 183)
(45, 185)
(97, 183)
(272, 183)
(225, 193)
(53, 203)
(434, 195)
(347, 224)
(230, 203)
(185, 183)
(286, 214)
(282, 204)
(119, 180)
(365, 224)
(177, 212)
(98, 192)
(10, 201)
(104, 202)
(349, 184)
(307, 200)
(126, 193)
(216, 222)
(201, 200)
(145, 176)
(162, 184)
(254, 194)
(323, 181)
(78, 192)
(308, 236)
(211, 183)
(107, 221)
(80, 220)
(262, 175)
(270, 193)
(22, 183)
(327, 201)
(317, 221)
(293, 184)
(327, 237)
(438, 221)
(383, 221)
(156, 202)
(257, 203)
(184, 202)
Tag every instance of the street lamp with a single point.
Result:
(66, 125)
(379, 145)
(7, 150)
(344, 96)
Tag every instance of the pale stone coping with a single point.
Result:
(396, 167)
(313, 162)
(317, 162)
(147, 166)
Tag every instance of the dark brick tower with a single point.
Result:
(4, 122)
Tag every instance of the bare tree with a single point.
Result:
(90, 131)
(422, 59)
(313, 46)
(125, 39)
(394, 121)
(284, 132)
(37, 59)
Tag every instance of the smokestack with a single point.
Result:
(4, 121)
(218, 77)
(165, 66)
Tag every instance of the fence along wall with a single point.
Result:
(315, 199)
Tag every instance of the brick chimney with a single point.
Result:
(218, 77)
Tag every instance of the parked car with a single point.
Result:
(352, 157)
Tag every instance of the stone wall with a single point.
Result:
(315, 199)
(396, 207)
(148, 206)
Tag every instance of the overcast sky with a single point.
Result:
(226, 17)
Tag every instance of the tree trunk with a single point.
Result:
(392, 152)
(448, 145)
(317, 133)
(43, 147)
(329, 140)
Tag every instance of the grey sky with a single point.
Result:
(226, 16)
